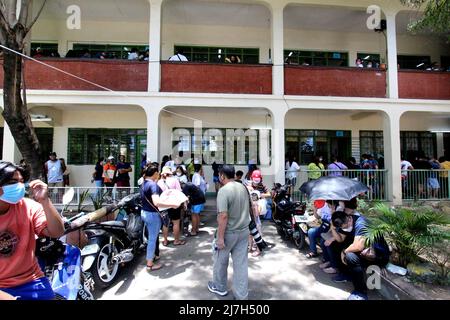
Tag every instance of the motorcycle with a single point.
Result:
(112, 243)
(61, 264)
(289, 217)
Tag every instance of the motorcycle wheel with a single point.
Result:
(300, 241)
(105, 269)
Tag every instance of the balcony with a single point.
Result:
(117, 75)
(216, 78)
(335, 81)
(414, 84)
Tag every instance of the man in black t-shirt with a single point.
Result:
(421, 163)
(197, 202)
(351, 233)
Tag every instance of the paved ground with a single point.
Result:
(282, 273)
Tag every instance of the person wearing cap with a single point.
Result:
(256, 183)
(168, 182)
(22, 220)
(109, 170)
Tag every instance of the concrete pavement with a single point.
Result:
(282, 273)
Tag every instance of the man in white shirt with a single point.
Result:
(133, 55)
(178, 57)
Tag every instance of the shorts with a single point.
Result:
(56, 184)
(39, 289)
(433, 183)
(196, 209)
(216, 179)
(175, 214)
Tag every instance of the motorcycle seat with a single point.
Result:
(114, 223)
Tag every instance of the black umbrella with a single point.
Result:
(333, 188)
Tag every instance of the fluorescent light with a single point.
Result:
(440, 131)
(290, 54)
(42, 120)
(366, 58)
(419, 65)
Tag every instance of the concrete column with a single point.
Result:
(391, 132)
(440, 144)
(10, 150)
(60, 141)
(154, 68)
(153, 133)
(278, 146)
(392, 70)
(352, 56)
(278, 51)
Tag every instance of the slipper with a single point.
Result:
(256, 253)
(193, 234)
(165, 243)
(154, 267)
(156, 259)
(181, 243)
(311, 255)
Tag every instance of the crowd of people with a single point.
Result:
(418, 179)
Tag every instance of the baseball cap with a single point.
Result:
(110, 157)
(166, 170)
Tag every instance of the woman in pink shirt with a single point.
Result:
(21, 220)
(167, 182)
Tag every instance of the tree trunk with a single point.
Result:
(15, 111)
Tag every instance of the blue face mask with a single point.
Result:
(13, 193)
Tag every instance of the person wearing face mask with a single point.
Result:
(256, 184)
(355, 256)
(21, 220)
(181, 175)
(315, 168)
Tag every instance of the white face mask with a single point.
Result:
(349, 229)
(179, 174)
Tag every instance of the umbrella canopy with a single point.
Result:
(333, 188)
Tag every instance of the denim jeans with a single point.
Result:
(153, 222)
(313, 235)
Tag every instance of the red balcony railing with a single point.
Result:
(334, 81)
(216, 78)
(414, 84)
(117, 75)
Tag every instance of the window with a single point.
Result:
(47, 48)
(370, 57)
(45, 137)
(218, 54)
(414, 142)
(306, 144)
(371, 142)
(413, 62)
(445, 63)
(86, 146)
(233, 146)
(317, 58)
(113, 51)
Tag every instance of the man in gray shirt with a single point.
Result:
(231, 236)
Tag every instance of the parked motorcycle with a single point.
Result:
(289, 216)
(111, 243)
(61, 264)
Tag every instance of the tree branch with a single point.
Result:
(3, 22)
(27, 29)
(11, 11)
(23, 16)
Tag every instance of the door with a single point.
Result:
(141, 148)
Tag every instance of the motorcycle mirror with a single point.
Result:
(68, 196)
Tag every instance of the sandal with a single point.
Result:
(311, 255)
(180, 243)
(165, 243)
(154, 267)
(256, 253)
(156, 258)
(193, 234)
